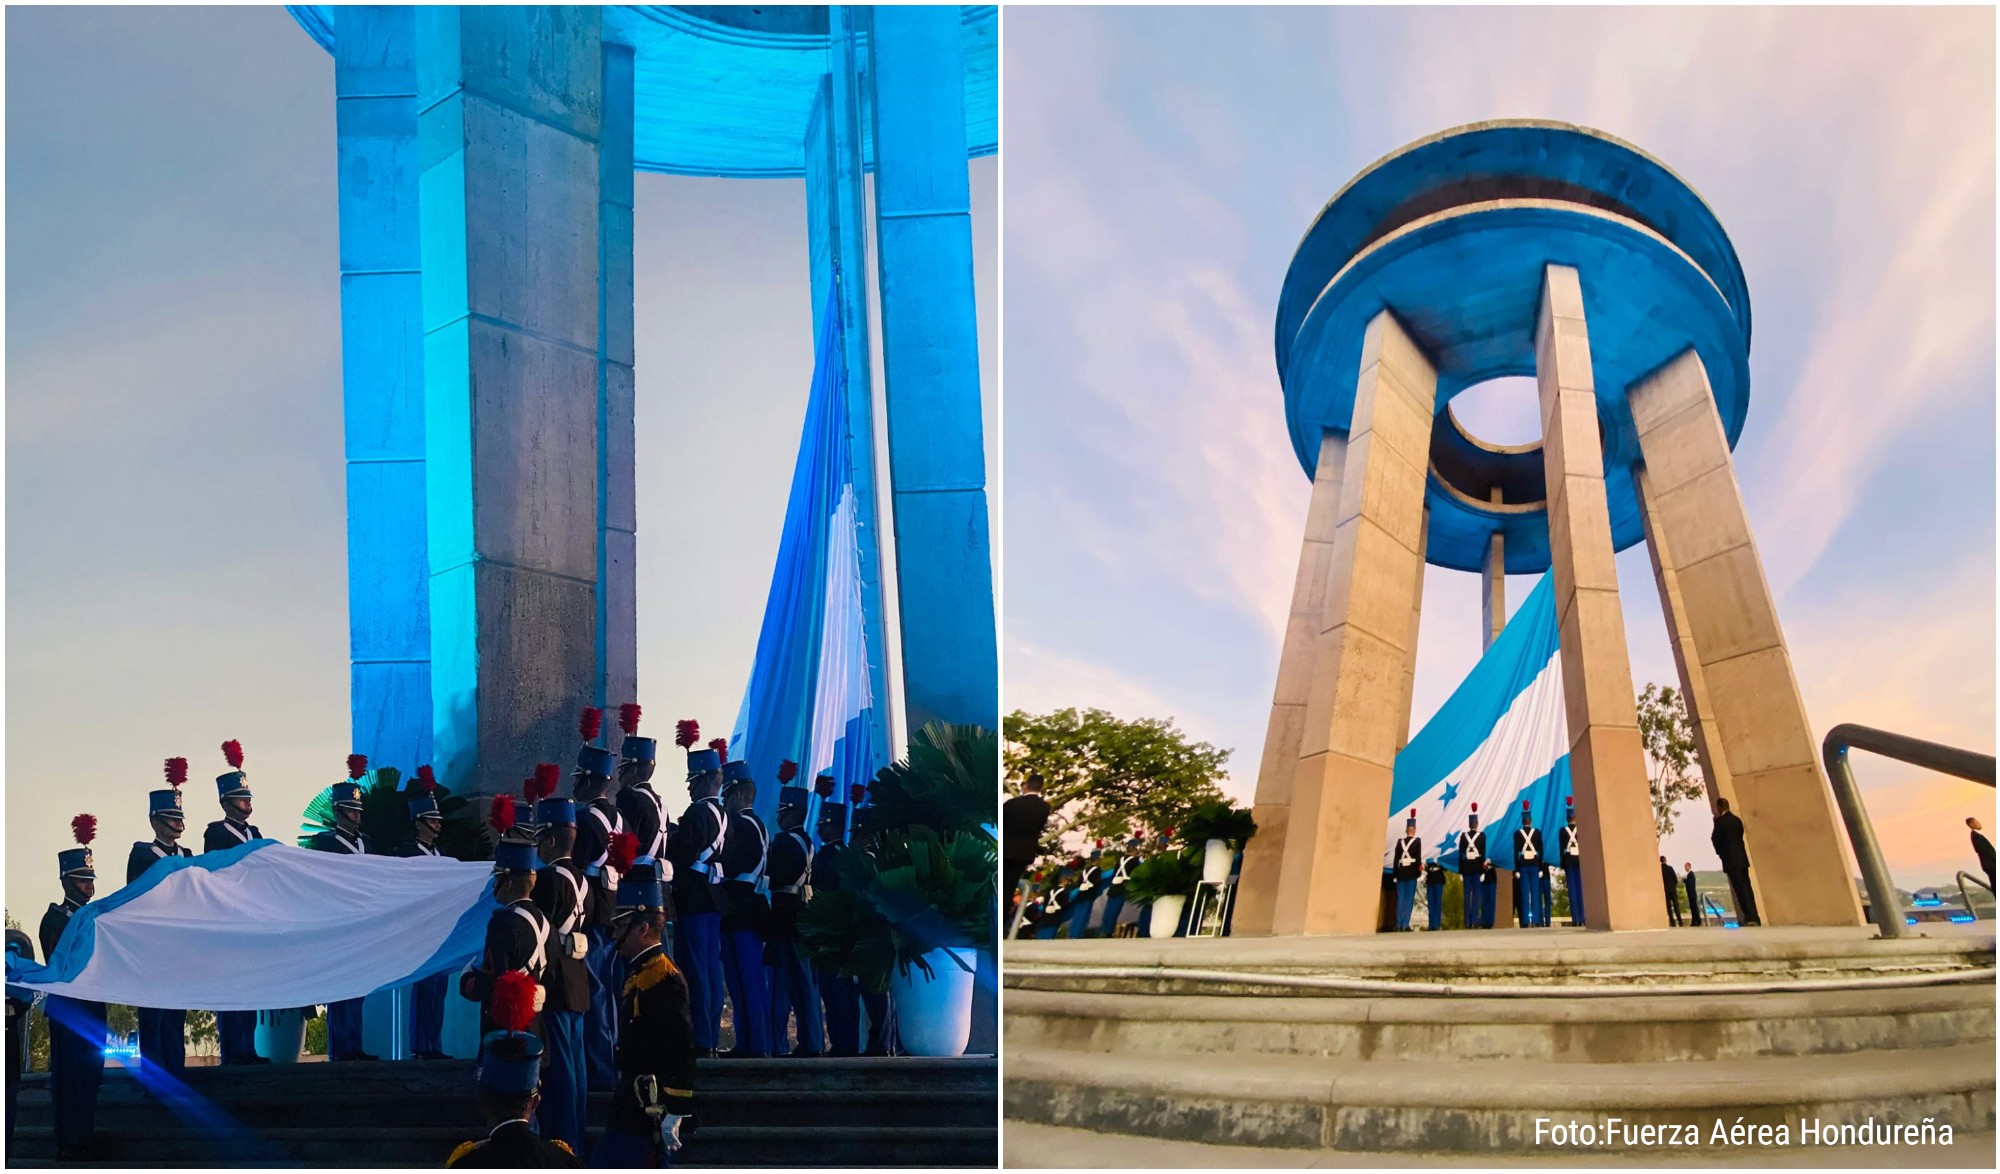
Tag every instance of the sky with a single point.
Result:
(1162, 165)
(176, 543)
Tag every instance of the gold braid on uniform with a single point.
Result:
(650, 975)
(463, 1150)
(562, 1145)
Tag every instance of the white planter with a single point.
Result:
(1215, 861)
(934, 1014)
(1166, 916)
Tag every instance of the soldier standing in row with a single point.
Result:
(656, 1046)
(427, 994)
(517, 933)
(1434, 893)
(343, 1019)
(1089, 886)
(598, 820)
(840, 996)
(694, 849)
(642, 810)
(746, 851)
(792, 991)
(510, 1070)
(1405, 863)
(1531, 870)
(874, 1004)
(1473, 871)
(19, 945)
(237, 1030)
(562, 893)
(76, 1027)
(1114, 896)
(162, 1032)
(1572, 862)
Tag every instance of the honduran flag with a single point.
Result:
(266, 925)
(1502, 737)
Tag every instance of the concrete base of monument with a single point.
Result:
(898, 1111)
(1487, 1043)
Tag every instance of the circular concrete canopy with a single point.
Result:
(726, 90)
(1452, 234)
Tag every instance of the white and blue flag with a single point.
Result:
(1501, 739)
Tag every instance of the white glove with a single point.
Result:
(670, 1132)
(541, 996)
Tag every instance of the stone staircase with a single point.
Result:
(900, 1111)
(1461, 1043)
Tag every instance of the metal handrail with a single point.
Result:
(1965, 764)
(1965, 895)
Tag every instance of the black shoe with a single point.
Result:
(353, 1056)
(258, 1060)
(430, 1055)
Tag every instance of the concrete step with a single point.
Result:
(1381, 1105)
(1637, 1028)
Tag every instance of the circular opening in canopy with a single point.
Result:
(1501, 413)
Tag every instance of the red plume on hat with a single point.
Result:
(1100, 841)
(426, 780)
(590, 723)
(856, 793)
(357, 765)
(232, 752)
(721, 747)
(687, 732)
(823, 786)
(622, 851)
(1524, 804)
(787, 771)
(177, 771)
(628, 717)
(501, 816)
(1475, 809)
(84, 827)
(513, 1002)
(543, 785)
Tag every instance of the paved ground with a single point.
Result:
(1026, 1146)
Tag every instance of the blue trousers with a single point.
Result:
(749, 997)
(1573, 877)
(794, 993)
(427, 1013)
(618, 1150)
(1113, 906)
(238, 1036)
(1079, 918)
(1533, 881)
(163, 1039)
(76, 1061)
(600, 1023)
(877, 1008)
(1434, 902)
(1406, 901)
(1489, 896)
(564, 1092)
(343, 1029)
(701, 961)
(842, 999)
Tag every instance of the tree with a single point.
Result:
(1669, 743)
(1108, 778)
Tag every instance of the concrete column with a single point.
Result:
(1257, 893)
(617, 555)
(836, 210)
(930, 356)
(512, 105)
(1416, 623)
(1493, 587)
(382, 376)
(1735, 669)
(1614, 812)
(1330, 877)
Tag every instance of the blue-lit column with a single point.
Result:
(930, 355)
(836, 206)
(388, 604)
(617, 565)
(511, 107)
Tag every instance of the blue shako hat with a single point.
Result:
(596, 760)
(512, 856)
(701, 762)
(639, 890)
(235, 782)
(737, 771)
(347, 796)
(793, 797)
(75, 863)
(168, 802)
(635, 748)
(510, 1063)
(554, 812)
(423, 795)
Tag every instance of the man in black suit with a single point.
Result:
(1982, 848)
(1672, 884)
(1023, 819)
(1727, 839)
(1694, 895)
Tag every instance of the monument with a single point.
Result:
(1525, 248)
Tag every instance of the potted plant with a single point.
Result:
(1221, 829)
(1164, 880)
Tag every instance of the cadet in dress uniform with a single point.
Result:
(1474, 872)
(427, 994)
(1531, 870)
(875, 1005)
(597, 822)
(1434, 893)
(76, 1028)
(517, 933)
(695, 848)
(1089, 887)
(162, 1032)
(20, 945)
(562, 893)
(746, 853)
(840, 996)
(1406, 862)
(236, 1030)
(1114, 897)
(656, 1045)
(1572, 862)
(510, 1068)
(790, 861)
(343, 1019)
(641, 808)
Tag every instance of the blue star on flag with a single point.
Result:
(1450, 793)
